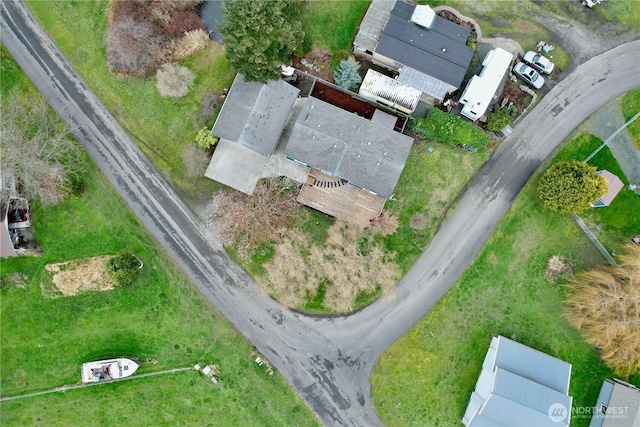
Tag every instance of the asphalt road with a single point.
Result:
(328, 360)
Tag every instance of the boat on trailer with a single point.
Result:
(108, 370)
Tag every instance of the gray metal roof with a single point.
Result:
(440, 51)
(533, 365)
(254, 114)
(343, 144)
(517, 387)
(423, 82)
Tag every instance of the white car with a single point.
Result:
(529, 75)
(539, 62)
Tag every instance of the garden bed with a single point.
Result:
(343, 100)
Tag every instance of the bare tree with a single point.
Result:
(246, 221)
(604, 304)
(37, 149)
(133, 48)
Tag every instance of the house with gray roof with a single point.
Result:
(428, 51)
(250, 125)
(618, 405)
(520, 386)
(349, 165)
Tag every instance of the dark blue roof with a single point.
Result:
(439, 51)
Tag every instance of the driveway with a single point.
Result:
(328, 361)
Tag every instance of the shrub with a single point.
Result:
(498, 120)
(204, 139)
(174, 80)
(133, 48)
(124, 269)
(443, 127)
(570, 187)
(347, 76)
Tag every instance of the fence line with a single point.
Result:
(71, 387)
(595, 240)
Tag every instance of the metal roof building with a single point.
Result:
(379, 88)
(366, 154)
(415, 37)
(254, 114)
(520, 386)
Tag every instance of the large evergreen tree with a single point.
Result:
(570, 187)
(260, 35)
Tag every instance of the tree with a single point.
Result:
(604, 304)
(174, 80)
(46, 163)
(346, 75)
(133, 48)
(570, 187)
(260, 35)
(498, 120)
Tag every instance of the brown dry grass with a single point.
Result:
(349, 261)
(604, 304)
(89, 274)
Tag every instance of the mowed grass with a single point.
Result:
(333, 24)
(162, 127)
(429, 182)
(45, 337)
(427, 376)
(630, 107)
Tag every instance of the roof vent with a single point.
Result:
(423, 16)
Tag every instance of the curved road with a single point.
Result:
(328, 361)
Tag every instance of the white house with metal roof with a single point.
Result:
(520, 386)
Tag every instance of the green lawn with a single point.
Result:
(162, 127)
(45, 337)
(631, 107)
(436, 364)
(333, 24)
(429, 182)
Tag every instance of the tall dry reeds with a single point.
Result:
(604, 304)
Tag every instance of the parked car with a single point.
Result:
(539, 62)
(529, 75)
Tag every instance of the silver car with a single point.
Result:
(529, 75)
(539, 62)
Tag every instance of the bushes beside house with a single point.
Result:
(443, 127)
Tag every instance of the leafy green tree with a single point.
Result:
(260, 35)
(346, 75)
(570, 187)
(498, 120)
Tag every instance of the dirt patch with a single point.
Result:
(88, 274)
(513, 94)
(343, 100)
(316, 62)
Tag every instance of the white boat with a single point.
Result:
(107, 370)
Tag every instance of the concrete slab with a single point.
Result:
(236, 167)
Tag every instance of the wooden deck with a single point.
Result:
(338, 198)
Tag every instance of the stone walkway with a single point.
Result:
(605, 122)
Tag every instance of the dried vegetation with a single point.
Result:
(604, 304)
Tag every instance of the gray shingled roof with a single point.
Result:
(440, 51)
(343, 144)
(254, 114)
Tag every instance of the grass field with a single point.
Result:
(333, 24)
(630, 107)
(436, 364)
(45, 337)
